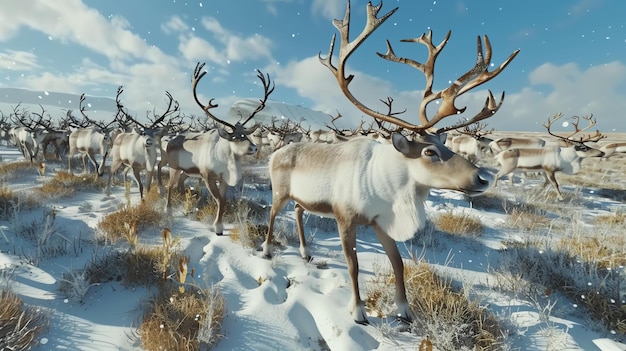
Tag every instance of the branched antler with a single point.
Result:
(474, 77)
(577, 130)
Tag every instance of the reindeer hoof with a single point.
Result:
(219, 234)
(307, 258)
(267, 257)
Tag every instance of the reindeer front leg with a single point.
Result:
(347, 234)
(404, 310)
(219, 194)
(299, 210)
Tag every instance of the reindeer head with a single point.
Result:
(427, 146)
(234, 133)
(579, 143)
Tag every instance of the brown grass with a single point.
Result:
(248, 233)
(10, 168)
(7, 202)
(64, 184)
(605, 251)
(527, 219)
(145, 214)
(180, 321)
(571, 265)
(20, 325)
(437, 308)
(459, 223)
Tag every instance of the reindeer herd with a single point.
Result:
(380, 175)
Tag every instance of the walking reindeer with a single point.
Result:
(90, 139)
(382, 185)
(551, 159)
(214, 155)
(137, 148)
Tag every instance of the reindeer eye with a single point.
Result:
(430, 152)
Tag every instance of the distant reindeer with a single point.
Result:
(214, 155)
(612, 148)
(472, 142)
(90, 139)
(46, 134)
(363, 182)
(551, 159)
(22, 136)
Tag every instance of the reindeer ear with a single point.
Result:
(223, 133)
(400, 142)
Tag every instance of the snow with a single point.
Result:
(279, 304)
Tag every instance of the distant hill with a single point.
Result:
(102, 108)
(55, 103)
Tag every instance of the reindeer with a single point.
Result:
(46, 134)
(472, 141)
(22, 136)
(284, 134)
(551, 159)
(89, 139)
(363, 182)
(214, 155)
(137, 149)
(611, 148)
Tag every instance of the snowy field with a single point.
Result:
(285, 303)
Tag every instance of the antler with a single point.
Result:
(198, 73)
(476, 76)
(20, 117)
(584, 138)
(476, 130)
(172, 107)
(265, 80)
(334, 128)
(88, 120)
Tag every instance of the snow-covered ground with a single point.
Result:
(297, 305)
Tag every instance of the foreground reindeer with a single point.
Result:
(363, 182)
(215, 155)
(137, 149)
(550, 159)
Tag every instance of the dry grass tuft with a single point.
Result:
(8, 202)
(145, 214)
(448, 318)
(526, 219)
(606, 251)
(587, 269)
(20, 325)
(182, 321)
(459, 223)
(10, 169)
(142, 265)
(613, 220)
(64, 184)
(248, 233)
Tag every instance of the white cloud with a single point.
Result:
(330, 9)
(270, 5)
(572, 91)
(18, 60)
(174, 25)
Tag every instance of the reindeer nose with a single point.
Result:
(252, 149)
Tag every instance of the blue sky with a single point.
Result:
(572, 58)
